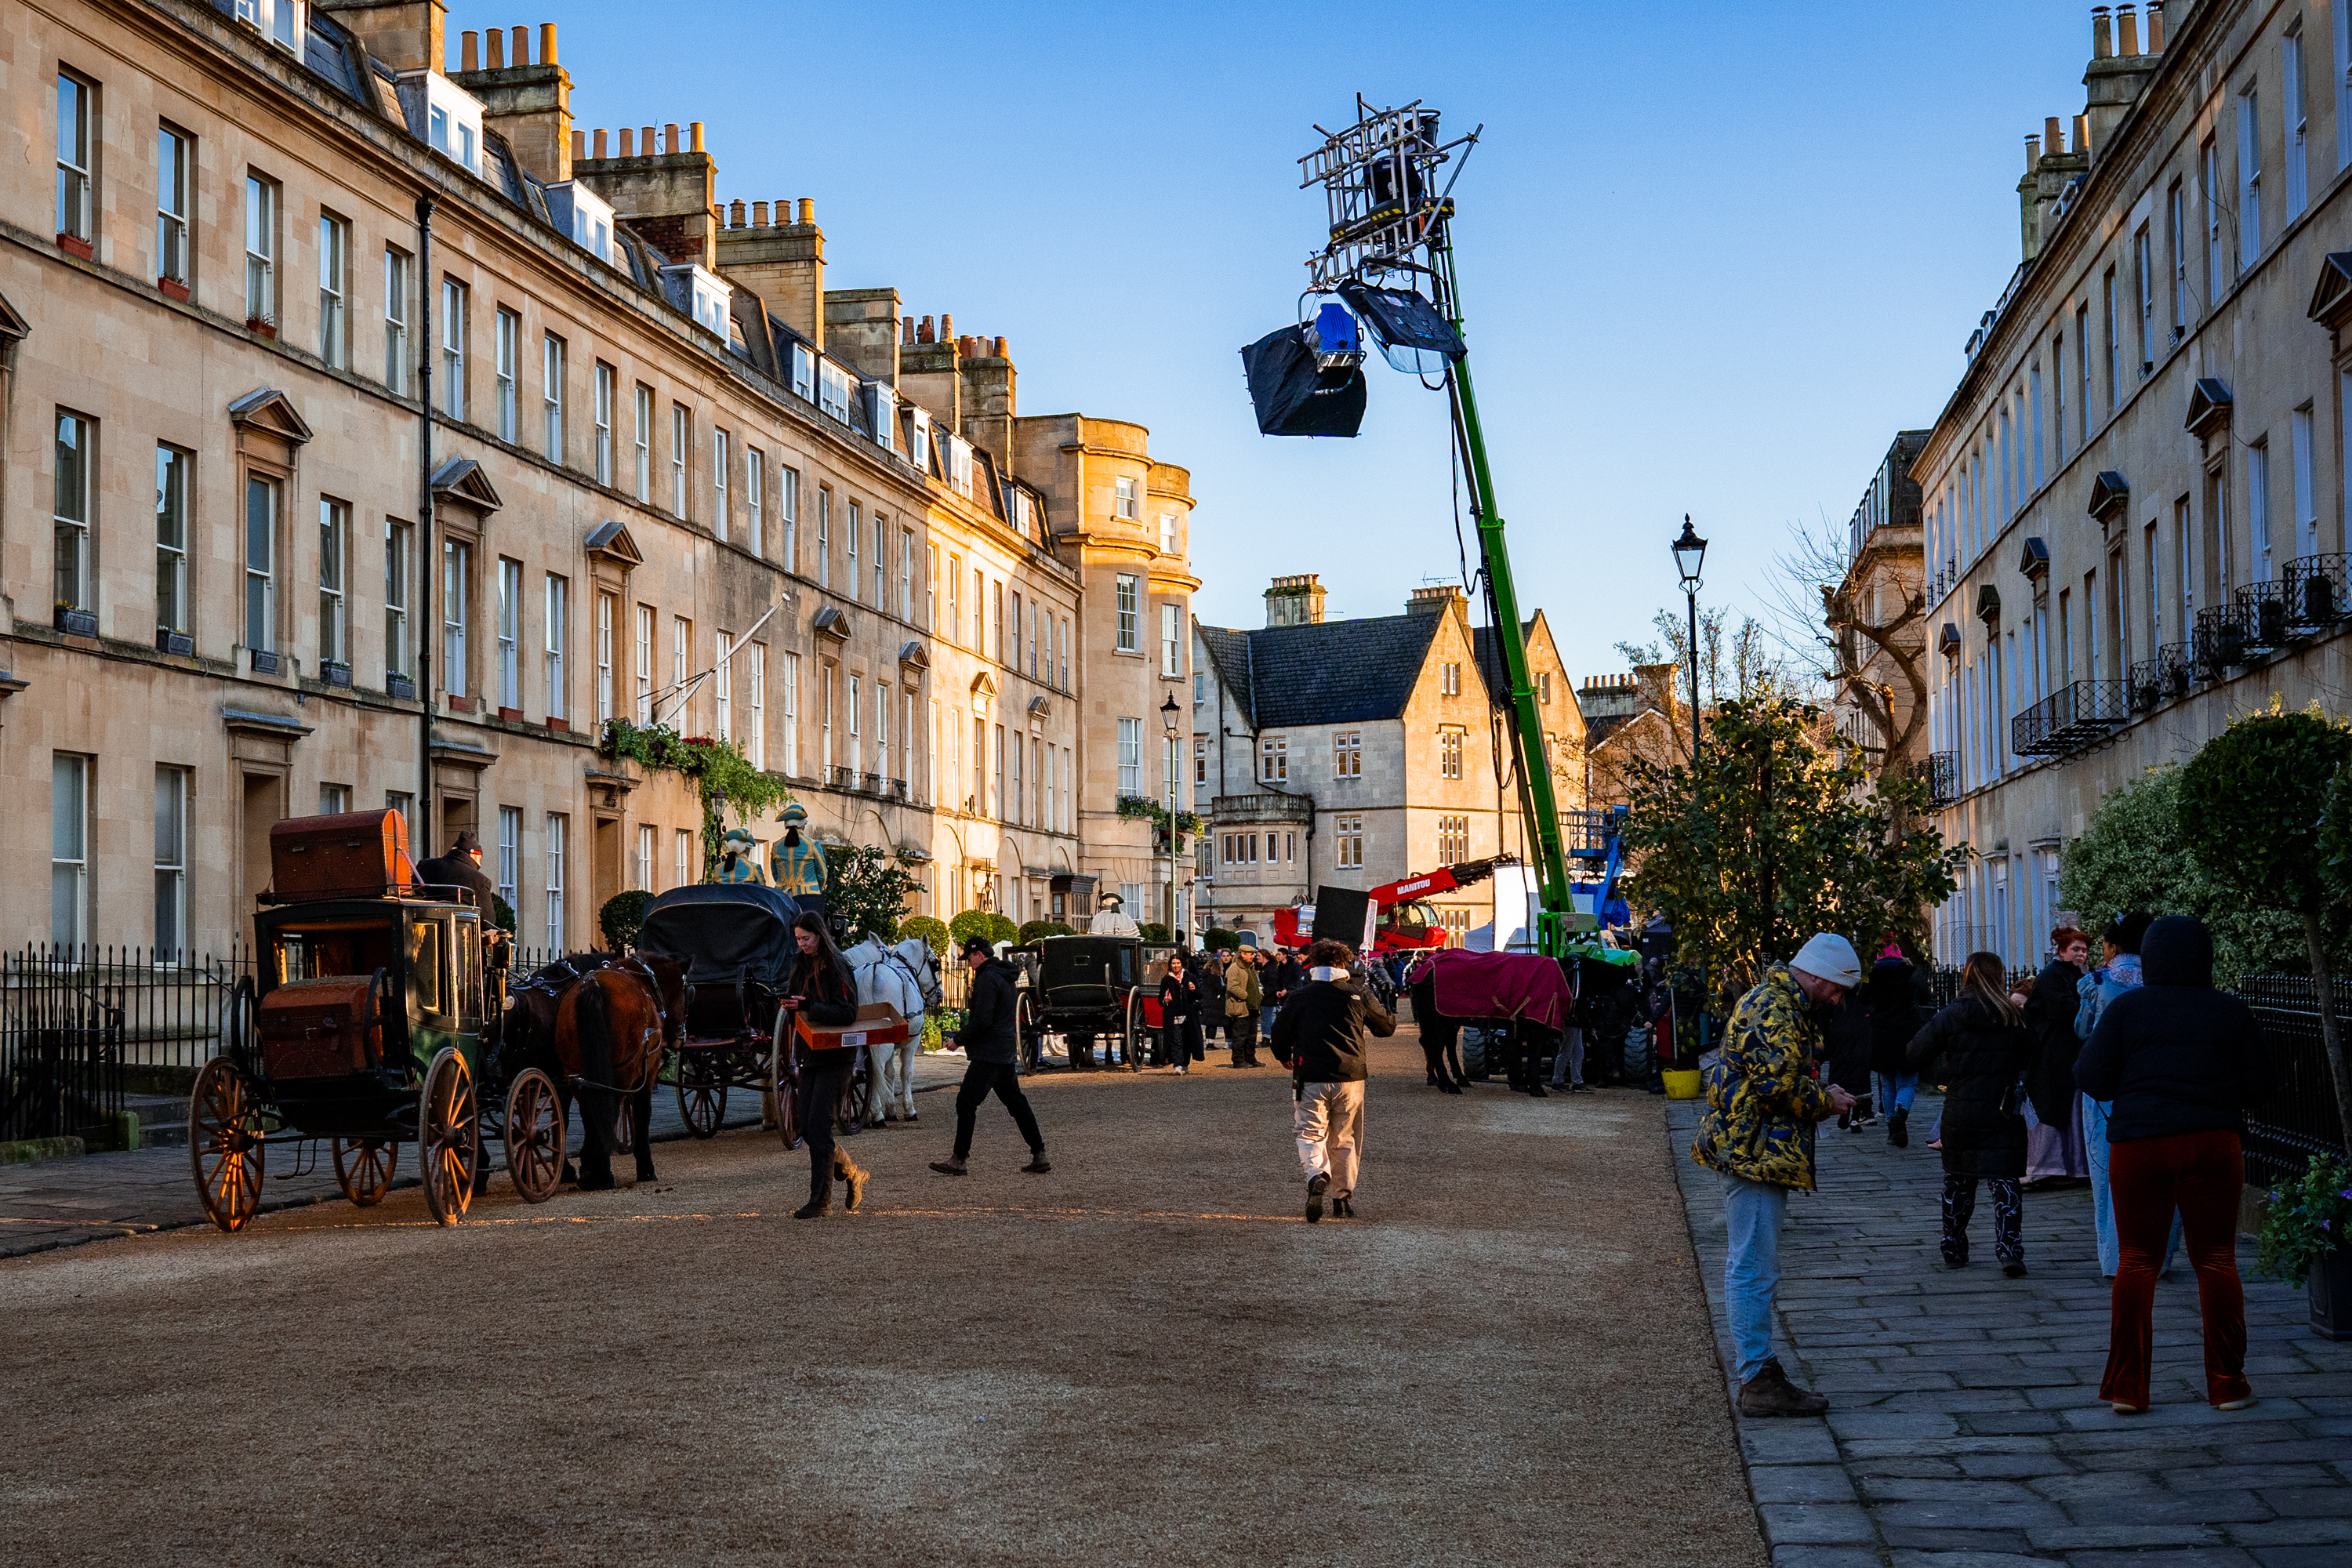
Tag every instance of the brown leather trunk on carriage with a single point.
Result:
(320, 1028)
(360, 854)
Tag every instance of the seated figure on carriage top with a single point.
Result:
(796, 865)
(738, 860)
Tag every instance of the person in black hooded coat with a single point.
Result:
(1894, 995)
(1982, 1041)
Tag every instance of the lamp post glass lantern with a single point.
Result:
(1690, 556)
(1168, 714)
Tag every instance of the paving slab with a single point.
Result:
(1964, 1405)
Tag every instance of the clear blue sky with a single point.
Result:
(1713, 256)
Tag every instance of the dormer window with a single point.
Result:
(833, 390)
(452, 117)
(958, 452)
(918, 438)
(587, 216)
(884, 409)
(279, 21)
(704, 295)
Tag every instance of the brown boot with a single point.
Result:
(1770, 1392)
(849, 1170)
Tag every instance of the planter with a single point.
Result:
(265, 329)
(181, 644)
(460, 704)
(510, 715)
(560, 726)
(335, 674)
(72, 246)
(173, 289)
(2329, 1284)
(264, 661)
(75, 623)
(400, 686)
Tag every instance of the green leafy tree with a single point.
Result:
(2252, 810)
(1217, 938)
(865, 892)
(1002, 929)
(1152, 930)
(502, 913)
(1035, 929)
(930, 930)
(622, 916)
(1778, 833)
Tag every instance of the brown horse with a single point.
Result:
(611, 1030)
(528, 1038)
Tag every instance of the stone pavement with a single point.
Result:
(64, 1203)
(1965, 1429)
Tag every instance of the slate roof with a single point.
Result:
(1327, 672)
(1490, 659)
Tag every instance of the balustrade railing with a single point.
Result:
(2071, 718)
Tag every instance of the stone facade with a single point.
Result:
(652, 424)
(2134, 499)
(1357, 753)
(1877, 620)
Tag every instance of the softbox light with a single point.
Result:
(1293, 394)
(1414, 336)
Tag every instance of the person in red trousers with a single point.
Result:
(2181, 1061)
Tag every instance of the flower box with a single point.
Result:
(510, 715)
(401, 687)
(75, 623)
(560, 726)
(172, 287)
(73, 245)
(335, 674)
(459, 704)
(265, 660)
(180, 645)
(262, 326)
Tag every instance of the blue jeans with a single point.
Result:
(2103, 1202)
(1753, 1217)
(1895, 1091)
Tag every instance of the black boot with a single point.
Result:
(1898, 1127)
(820, 1201)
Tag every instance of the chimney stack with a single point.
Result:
(469, 51)
(785, 267)
(2127, 31)
(2103, 34)
(529, 105)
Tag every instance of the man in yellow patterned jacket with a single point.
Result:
(1757, 1135)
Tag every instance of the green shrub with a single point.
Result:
(622, 916)
(1152, 930)
(502, 913)
(1216, 938)
(1037, 929)
(930, 930)
(2308, 1219)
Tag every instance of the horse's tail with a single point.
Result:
(591, 1027)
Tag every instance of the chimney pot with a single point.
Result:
(2053, 137)
(759, 214)
(669, 136)
(546, 43)
(579, 145)
(2032, 154)
(647, 135)
(2083, 134)
(629, 143)
(2127, 31)
(924, 334)
(946, 329)
(469, 50)
(2103, 34)
(906, 332)
(1000, 351)
(494, 46)
(2156, 26)
(694, 132)
(600, 143)
(808, 211)
(523, 46)
(735, 214)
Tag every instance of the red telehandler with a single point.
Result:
(1405, 920)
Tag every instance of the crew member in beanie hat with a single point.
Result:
(1757, 1134)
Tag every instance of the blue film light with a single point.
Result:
(1337, 330)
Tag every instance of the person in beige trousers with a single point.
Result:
(1319, 1034)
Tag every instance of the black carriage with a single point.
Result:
(371, 1022)
(1085, 988)
(735, 941)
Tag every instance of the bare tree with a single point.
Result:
(1857, 610)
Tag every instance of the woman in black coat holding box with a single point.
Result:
(1981, 1040)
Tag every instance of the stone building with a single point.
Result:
(1628, 717)
(2135, 500)
(672, 478)
(1357, 753)
(1877, 619)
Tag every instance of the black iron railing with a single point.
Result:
(2220, 640)
(2299, 1119)
(2266, 615)
(2319, 590)
(841, 778)
(2070, 718)
(78, 1023)
(1940, 771)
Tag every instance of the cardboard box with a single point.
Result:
(878, 1023)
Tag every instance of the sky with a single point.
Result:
(1711, 258)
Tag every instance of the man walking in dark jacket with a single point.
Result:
(1320, 1033)
(989, 1049)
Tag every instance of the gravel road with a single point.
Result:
(1143, 1357)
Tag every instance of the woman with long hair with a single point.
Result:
(822, 989)
(1982, 1042)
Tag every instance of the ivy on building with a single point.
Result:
(713, 767)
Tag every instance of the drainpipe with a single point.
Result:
(426, 564)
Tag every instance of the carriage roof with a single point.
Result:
(718, 930)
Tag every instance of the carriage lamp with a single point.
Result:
(718, 805)
(1167, 714)
(1690, 554)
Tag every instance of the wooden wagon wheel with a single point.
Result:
(1026, 1043)
(534, 1136)
(783, 1073)
(701, 1093)
(364, 1167)
(851, 1117)
(448, 1136)
(1134, 1058)
(225, 1144)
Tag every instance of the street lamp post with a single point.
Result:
(1690, 554)
(1168, 714)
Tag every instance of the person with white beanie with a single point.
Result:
(1757, 1134)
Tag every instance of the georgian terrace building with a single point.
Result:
(652, 425)
(2135, 498)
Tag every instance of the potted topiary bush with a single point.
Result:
(2307, 1236)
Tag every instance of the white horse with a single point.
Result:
(906, 975)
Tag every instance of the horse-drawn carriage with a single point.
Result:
(1085, 988)
(371, 1022)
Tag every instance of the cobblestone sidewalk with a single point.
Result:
(1965, 1429)
(63, 1203)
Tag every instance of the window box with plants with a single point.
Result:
(2307, 1236)
(334, 672)
(74, 622)
(399, 686)
(182, 644)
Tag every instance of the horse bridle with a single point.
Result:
(908, 969)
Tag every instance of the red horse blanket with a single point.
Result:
(1500, 985)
